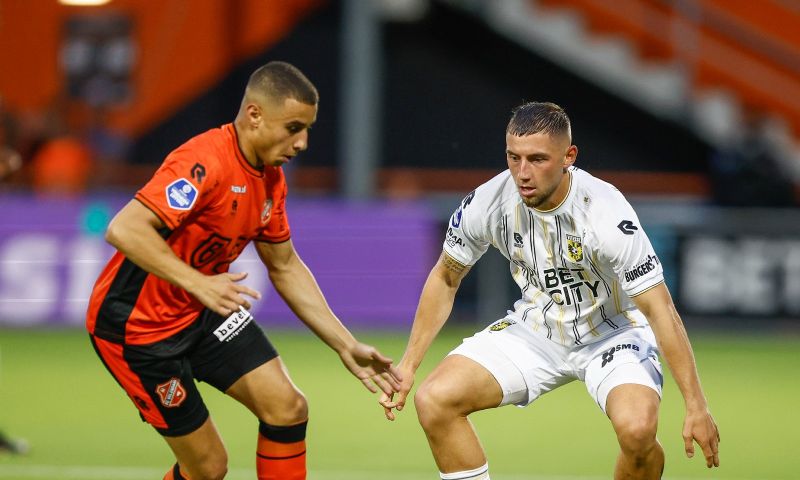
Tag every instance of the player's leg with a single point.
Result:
(282, 411)
(457, 387)
(633, 410)
(200, 454)
(158, 379)
(624, 376)
(245, 365)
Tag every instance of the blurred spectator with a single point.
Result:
(10, 159)
(750, 172)
(61, 166)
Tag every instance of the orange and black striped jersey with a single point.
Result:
(213, 203)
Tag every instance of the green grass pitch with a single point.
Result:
(55, 393)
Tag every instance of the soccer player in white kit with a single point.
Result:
(594, 307)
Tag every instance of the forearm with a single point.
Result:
(145, 248)
(676, 350)
(299, 289)
(435, 305)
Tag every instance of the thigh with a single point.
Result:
(525, 365)
(463, 384)
(270, 394)
(628, 358)
(228, 349)
(158, 379)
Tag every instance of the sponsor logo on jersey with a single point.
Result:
(608, 355)
(239, 188)
(574, 248)
(453, 239)
(455, 220)
(171, 393)
(627, 227)
(266, 212)
(233, 325)
(198, 172)
(645, 267)
(181, 194)
(501, 324)
(517, 240)
(564, 284)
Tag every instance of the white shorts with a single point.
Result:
(527, 365)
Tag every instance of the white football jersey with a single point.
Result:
(576, 265)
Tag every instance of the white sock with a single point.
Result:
(480, 473)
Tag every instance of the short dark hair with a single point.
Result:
(280, 80)
(535, 117)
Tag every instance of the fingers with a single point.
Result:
(387, 404)
(247, 291)
(711, 451)
(394, 372)
(236, 277)
(688, 445)
(383, 385)
(369, 385)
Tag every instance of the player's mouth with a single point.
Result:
(526, 191)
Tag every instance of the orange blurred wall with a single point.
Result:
(183, 48)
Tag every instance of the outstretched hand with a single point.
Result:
(387, 400)
(372, 368)
(701, 428)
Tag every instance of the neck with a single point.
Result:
(244, 146)
(559, 194)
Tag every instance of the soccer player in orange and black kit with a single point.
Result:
(165, 310)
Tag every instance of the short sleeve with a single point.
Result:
(276, 228)
(625, 245)
(467, 237)
(183, 183)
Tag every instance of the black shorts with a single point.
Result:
(159, 377)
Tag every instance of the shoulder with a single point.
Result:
(492, 195)
(609, 215)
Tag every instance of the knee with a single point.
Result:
(291, 411)
(435, 402)
(214, 467)
(637, 435)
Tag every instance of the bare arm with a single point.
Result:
(134, 232)
(435, 305)
(673, 342)
(297, 286)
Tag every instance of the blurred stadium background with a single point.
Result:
(690, 107)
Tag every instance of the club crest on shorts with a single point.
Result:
(574, 248)
(266, 212)
(501, 324)
(171, 393)
(181, 194)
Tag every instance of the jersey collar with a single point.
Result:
(561, 206)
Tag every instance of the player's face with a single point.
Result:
(538, 165)
(282, 131)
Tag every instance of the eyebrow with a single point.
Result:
(533, 155)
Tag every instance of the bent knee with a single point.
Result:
(212, 468)
(436, 401)
(290, 411)
(637, 434)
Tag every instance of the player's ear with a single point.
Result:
(253, 114)
(571, 155)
